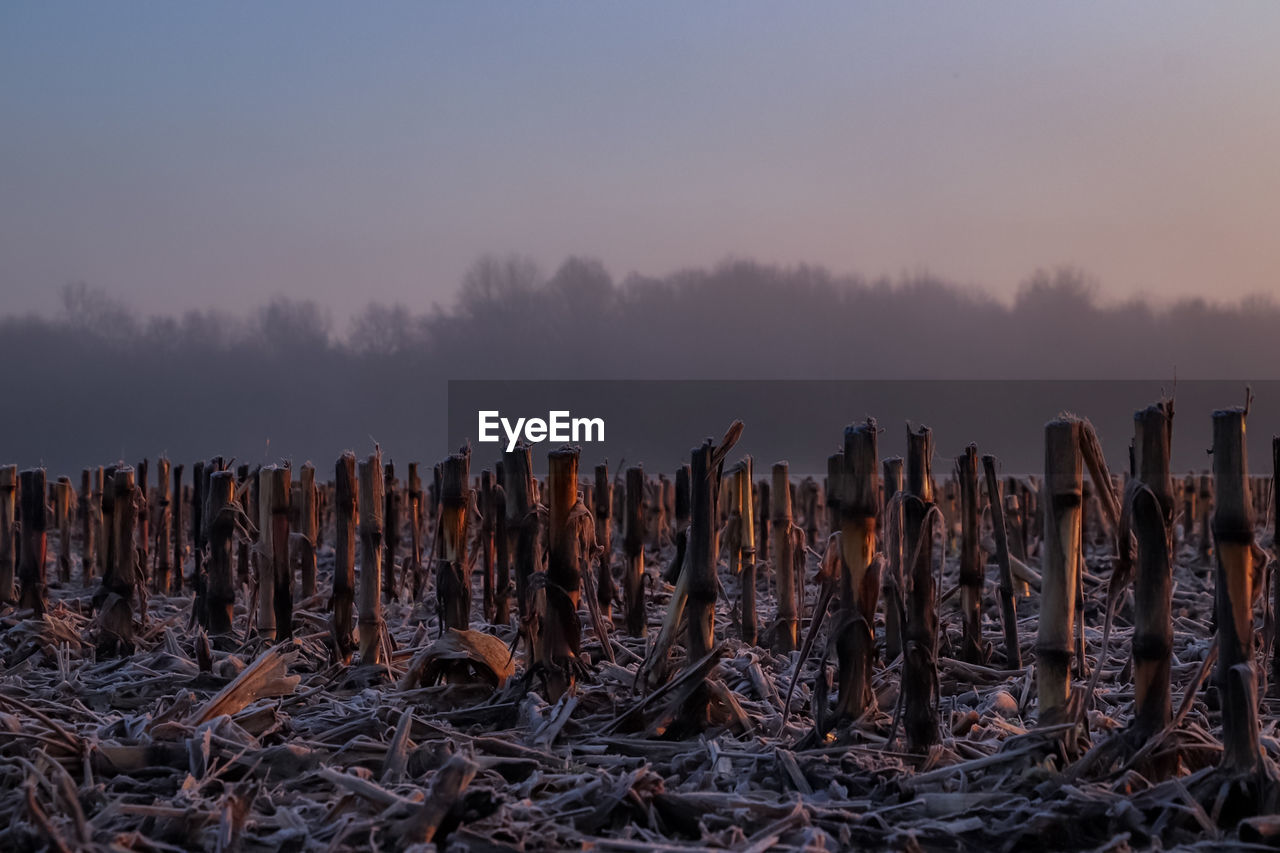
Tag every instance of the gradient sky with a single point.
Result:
(183, 155)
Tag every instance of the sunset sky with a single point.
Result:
(183, 155)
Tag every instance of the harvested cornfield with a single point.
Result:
(929, 654)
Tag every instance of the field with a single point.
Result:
(918, 653)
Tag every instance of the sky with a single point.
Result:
(194, 155)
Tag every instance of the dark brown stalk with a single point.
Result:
(633, 553)
(606, 589)
(244, 544)
(416, 513)
(119, 584)
(682, 498)
(308, 528)
(1152, 446)
(372, 505)
(32, 580)
(920, 634)
(344, 557)
(1060, 572)
(86, 508)
(1008, 602)
(222, 525)
(786, 633)
(200, 604)
(1233, 547)
(698, 577)
(487, 563)
(276, 548)
(142, 533)
(99, 535)
(63, 497)
(891, 577)
(522, 522)
(701, 554)
(502, 552)
(107, 544)
(453, 573)
(747, 552)
(179, 531)
(391, 530)
(560, 631)
(254, 510)
(1153, 625)
(858, 489)
(762, 521)
(971, 647)
(164, 526)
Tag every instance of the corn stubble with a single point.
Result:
(697, 657)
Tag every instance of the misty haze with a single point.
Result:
(102, 380)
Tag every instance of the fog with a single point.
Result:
(101, 380)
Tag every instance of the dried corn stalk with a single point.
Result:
(633, 553)
(606, 589)
(345, 489)
(119, 584)
(371, 624)
(1233, 547)
(1060, 573)
(223, 516)
(1151, 511)
(971, 646)
(746, 544)
(1008, 601)
(570, 534)
(787, 629)
(453, 572)
(308, 529)
(920, 634)
(858, 490)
